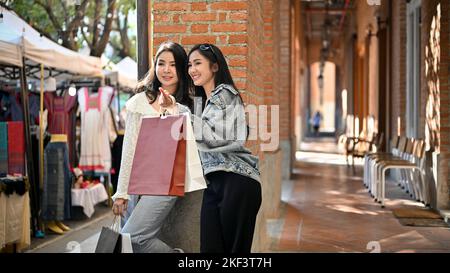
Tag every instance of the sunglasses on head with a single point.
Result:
(206, 47)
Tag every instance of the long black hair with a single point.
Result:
(215, 56)
(150, 84)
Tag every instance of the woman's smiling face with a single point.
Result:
(166, 71)
(200, 69)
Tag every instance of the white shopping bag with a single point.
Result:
(126, 243)
(194, 172)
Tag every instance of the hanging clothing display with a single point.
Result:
(11, 105)
(16, 148)
(14, 212)
(16, 106)
(3, 147)
(95, 154)
(118, 109)
(5, 106)
(35, 182)
(56, 196)
(61, 113)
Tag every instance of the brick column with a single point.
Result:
(398, 87)
(435, 84)
(446, 99)
(283, 88)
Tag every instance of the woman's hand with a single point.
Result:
(166, 100)
(120, 206)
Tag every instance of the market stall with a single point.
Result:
(27, 60)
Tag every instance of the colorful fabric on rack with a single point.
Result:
(95, 152)
(15, 106)
(33, 106)
(15, 220)
(3, 147)
(34, 103)
(56, 196)
(16, 148)
(118, 109)
(61, 110)
(5, 106)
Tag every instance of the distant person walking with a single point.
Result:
(316, 122)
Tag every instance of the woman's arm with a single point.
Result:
(132, 126)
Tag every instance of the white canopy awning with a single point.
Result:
(10, 53)
(125, 71)
(17, 38)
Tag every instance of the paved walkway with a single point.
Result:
(327, 209)
(81, 239)
(322, 145)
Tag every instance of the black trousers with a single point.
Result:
(229, 209)
(116, 154)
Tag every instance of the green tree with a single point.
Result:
(74, 23)
(123, 44)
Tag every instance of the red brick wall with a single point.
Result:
(269, 47)
(255, 36)
(255, 67)
(297, 72)
(236, 27)
(268, 50)
(398, 64)
(222, 23)
(365, 19)
(430, 92)
(256, 93)
(443, 76)
(283, 67)
(446, 99)
(436, 89)
(273, 71)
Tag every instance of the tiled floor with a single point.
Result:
(320, 145)
(327, 209)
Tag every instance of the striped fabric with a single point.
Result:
(56, 195)
(16, 148)
(3, 147)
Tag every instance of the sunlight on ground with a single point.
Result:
(322, 158)
(334, 192)
(327, 176)
(349, 209)
(406, 242)
(403, 202)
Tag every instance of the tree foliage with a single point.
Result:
(78, 23)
